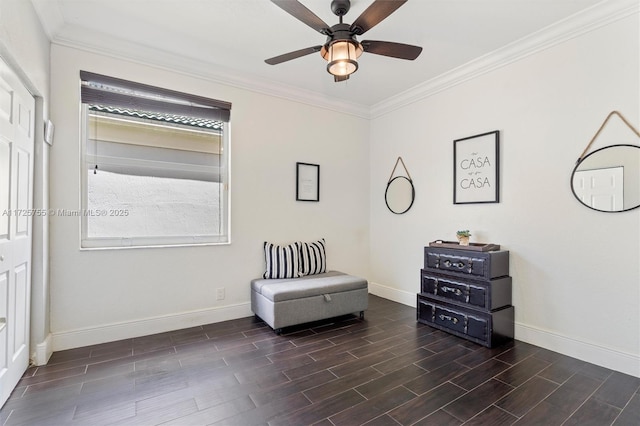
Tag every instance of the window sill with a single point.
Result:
(152, 246)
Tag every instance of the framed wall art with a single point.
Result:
(475, 169)
(307, 182)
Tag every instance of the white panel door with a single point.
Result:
(602, 189)
(16, 201)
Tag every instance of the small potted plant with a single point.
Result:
(463, 237)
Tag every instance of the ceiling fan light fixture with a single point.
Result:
(342, 56)
(342, 49)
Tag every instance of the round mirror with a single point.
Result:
(608, 180)
(400, 194)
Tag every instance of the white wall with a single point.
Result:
(25, 47)
(102, 295)
(575, 271)
(24, 44)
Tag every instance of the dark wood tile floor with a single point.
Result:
(383, 370)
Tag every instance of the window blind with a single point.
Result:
(110, 91)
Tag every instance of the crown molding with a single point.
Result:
(583, 22)
(84, 40)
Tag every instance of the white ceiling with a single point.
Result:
(228, 40)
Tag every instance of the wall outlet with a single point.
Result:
(220, 293)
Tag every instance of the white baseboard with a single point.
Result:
(43, 351)
(585, 351)
(143, 327)
(393, 294)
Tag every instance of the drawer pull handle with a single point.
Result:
(448, 264)
(448, 318)
(455, 291)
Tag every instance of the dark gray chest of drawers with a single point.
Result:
(467, 293)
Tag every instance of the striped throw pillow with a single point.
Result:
(313, 258)
(281, 261)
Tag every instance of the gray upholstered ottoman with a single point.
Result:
(291, 301)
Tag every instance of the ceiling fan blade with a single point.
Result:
(292, 55)
(300, 12)
(394, 50)
(374, 14)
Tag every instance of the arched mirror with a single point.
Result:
(400, 194)
(608, 180)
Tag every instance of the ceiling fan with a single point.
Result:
(342, 49)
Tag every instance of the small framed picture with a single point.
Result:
(307, 182)
(475, 169)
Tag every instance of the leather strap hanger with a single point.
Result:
(399, 160)
(611, 114)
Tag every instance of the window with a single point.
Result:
(155, 166)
